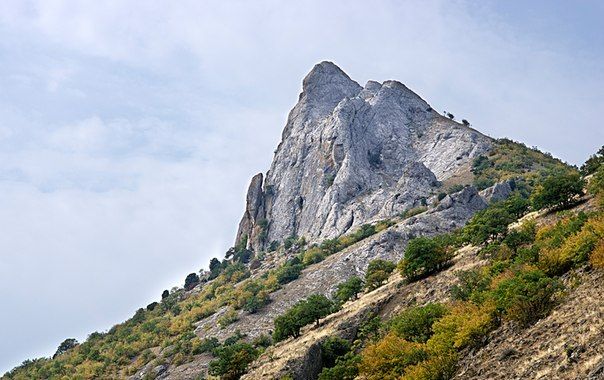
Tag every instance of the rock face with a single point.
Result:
(254, 210)
(323, 278)
(352, 154)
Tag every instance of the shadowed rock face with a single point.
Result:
(352, 154)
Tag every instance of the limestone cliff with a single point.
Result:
(352, 154)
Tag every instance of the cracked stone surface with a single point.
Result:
(351, 154)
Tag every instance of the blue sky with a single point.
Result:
(129, 130)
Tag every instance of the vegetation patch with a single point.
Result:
(513, 160)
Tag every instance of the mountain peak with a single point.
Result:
(346, 156)
(325, 69)
(326, 76)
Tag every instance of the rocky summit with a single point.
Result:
(351, 154)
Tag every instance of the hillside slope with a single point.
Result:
(359, 173)
(566, 344)
(301, 358)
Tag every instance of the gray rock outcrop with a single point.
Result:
(350, 155)
(323, 278)
(498, 192)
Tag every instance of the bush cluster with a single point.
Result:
(491, 224)
(377, 273)
(512, 160)
(301, 314)
(519, 285)
(233, 357)
(426, 255)
(558, 191)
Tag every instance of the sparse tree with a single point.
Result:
(65, 346)
(558, 191)
(349, 289)
(378, 272)
(593, 162)
(424, 255)
(191, 281)
(304, 312)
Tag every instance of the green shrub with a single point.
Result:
(471, 282)
(415, 324)
(205, 345)
(526, 297)
(593, 163)
(483, 183)
(289, 242)
(413, 211)
(492, 222)
(511, 160)
(558, 191)
(273, 246)
(383, 224)
(304, 312)
(527, 255)
(345, 368)
(377, 273)
(289, 273)
(332, 348)
(313, 255)
(553, 236)
(331, 246)
(232, 360)
(455, 188)
(230, 316)
(256, 302)
(423, 256)
(596, 185)
(523, 236)
(481, 164)
(349, 289)
(363, 232)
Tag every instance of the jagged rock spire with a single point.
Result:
(351, 154)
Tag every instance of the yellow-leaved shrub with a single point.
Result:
(388, 358)
(464, 326)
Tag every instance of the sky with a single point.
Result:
(129, 130)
